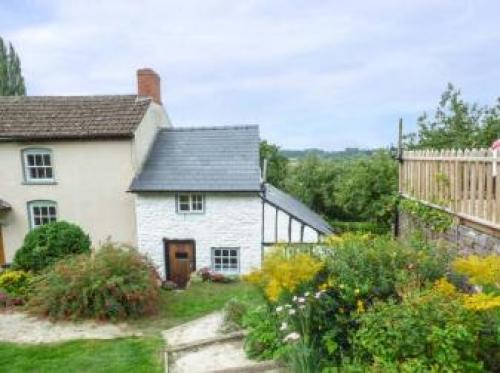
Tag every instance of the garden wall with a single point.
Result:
(468, 237)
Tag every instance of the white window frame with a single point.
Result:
(27, 167)
(194, 200)
(48, 215)
(230, 268)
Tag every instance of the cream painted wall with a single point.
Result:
(92, 179)
(145, 134)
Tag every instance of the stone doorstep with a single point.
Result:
(206, 341)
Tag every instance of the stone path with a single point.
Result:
(200, 346)
(19, 328)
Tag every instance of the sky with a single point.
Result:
(310, 73)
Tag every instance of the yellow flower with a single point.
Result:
(445, 288)
(356, 291)
(481, 302)
(281, 273)
(481, 271)
(360, 306)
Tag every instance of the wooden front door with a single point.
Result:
(181, 261)
(2, 252)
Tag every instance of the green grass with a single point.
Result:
(127, 354)
(117, 355)
(198, 300)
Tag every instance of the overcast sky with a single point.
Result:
(311, 73)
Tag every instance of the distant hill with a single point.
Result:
(347, 153)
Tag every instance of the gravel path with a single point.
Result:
(211, 357)
(20, 328)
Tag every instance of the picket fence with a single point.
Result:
(462, 182)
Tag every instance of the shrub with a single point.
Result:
(116, 283)
(431, 332)
(48, 243)
(281, 275)
(263, 341)
(16, 283)
(234, 311)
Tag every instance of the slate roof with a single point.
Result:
(202, 159)
(296, 209)
(70, 117)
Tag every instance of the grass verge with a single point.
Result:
(198, 300)
(116, 355)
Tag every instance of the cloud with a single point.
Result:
(312, 73)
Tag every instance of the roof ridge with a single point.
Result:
(209, 128)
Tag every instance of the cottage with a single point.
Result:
(187, 197)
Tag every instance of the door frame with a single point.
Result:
(166, 253)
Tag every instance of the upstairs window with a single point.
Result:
(42, 212)
(38, 166)
(190, 203)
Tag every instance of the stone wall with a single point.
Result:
(469, 238)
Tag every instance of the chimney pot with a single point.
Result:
(148, 84)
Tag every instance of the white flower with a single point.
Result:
(284, 326)
(302, 300)
(292, 337)
(306, 294)
(279, 308)
(294, 298)
(288, 306)
(291, 312)
(302, 306)
(318, 295)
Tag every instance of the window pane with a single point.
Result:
(31, 160)
(52, 210)
(37, 221)
(225, 252)
(225, 260)
(44, 210)
(184, 207)
(48, 173)
(36, 210)
(33, 173)
(217, 252)
(41, 173)
(46, 159)
(184, 198)
(38, 159)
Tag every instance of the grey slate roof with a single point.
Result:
(296, 209)
(70, 117)
(202, 159)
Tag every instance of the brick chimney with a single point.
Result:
(148, 84)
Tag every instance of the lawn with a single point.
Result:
(127, 354)
(198, 300)
(117, 355)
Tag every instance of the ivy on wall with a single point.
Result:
(437, 220)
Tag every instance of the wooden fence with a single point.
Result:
(464, 183)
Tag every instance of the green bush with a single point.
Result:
(428, 331)
(116, 283)
(263, 341)
(48, 243)
(234, 311)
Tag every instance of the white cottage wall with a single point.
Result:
(229, 220)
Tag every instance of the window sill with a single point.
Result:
(39, 182)
(190, 212)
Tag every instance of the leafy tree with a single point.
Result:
(368, 189)
(457, 124)
(11, 78)
(277, 164)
